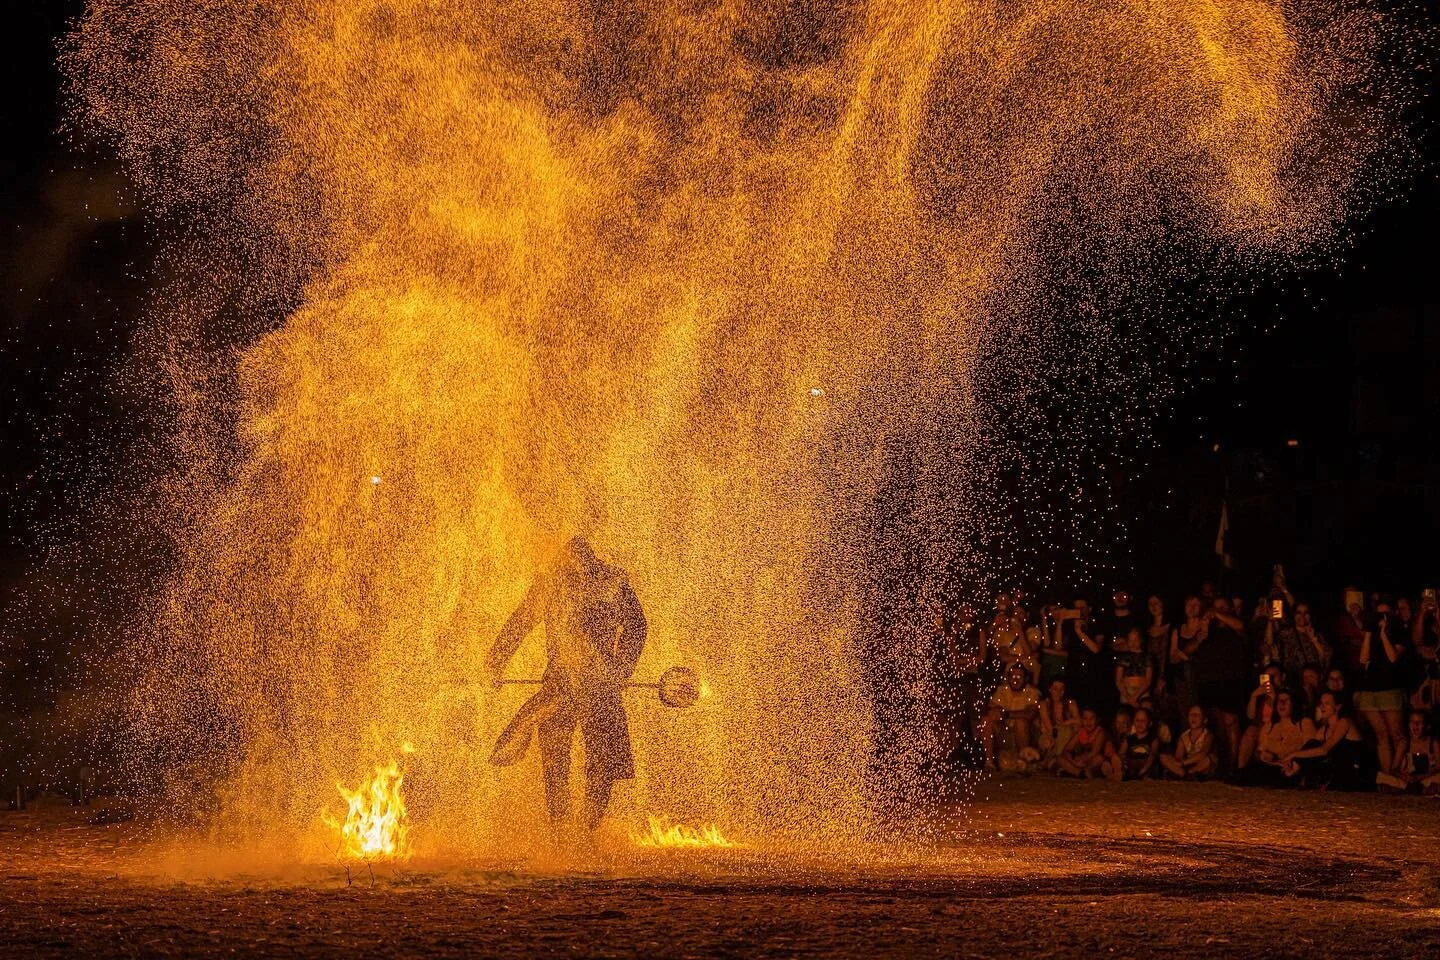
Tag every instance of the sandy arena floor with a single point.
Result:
(1048, 869)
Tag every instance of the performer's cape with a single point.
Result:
(515, 739)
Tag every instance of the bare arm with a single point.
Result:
(630, 636)
(521, 622)
(1338, 728)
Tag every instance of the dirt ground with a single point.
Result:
(1044, 869)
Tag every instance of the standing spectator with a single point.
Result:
(1337, 685)
(1085, 753)
(1312, 646)
(1194, 757)
(1085, 675)
(1280, 591)
(1380, 699)
(1133, 670)
(1311, 680)
(1157, 647)
(961, 653)
(1183, 644)
(1221, 663)
(1349, 633)
(1425, 641)
(1121, 619)
(1053, 658)
(1005, 635)
(1208, 593)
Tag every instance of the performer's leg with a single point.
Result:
(606, 734)
(556, 733)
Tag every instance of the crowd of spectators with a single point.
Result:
(1210, 688)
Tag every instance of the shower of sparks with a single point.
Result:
(573, 266)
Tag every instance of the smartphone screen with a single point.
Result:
(1277, 609)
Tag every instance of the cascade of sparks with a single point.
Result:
(706, 281)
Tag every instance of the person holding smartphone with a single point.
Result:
(1380, 699)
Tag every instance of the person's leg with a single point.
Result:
(606, 733)
(1247, 745)
(1395, 733)
(989, 732)
(556, 732)
(1024, 733)
(1375, 723)
(1228, 730)
(1175, 767)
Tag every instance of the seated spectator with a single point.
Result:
(1163, 733)
(1085, 753)
(1136, 754)
(1418, 767)
(1280, 736)
(1133, 670)
(1333, 753)
(1115, 742)
(1194, 757)
(1059, 719)
(1258, 711)
(1011, 716)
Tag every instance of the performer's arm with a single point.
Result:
(629, 640)
(521, 622)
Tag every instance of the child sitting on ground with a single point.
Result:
(1417, 770)
(1085, 752)
(1194, 757)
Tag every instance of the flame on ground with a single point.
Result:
(663, 833)
(376, 825)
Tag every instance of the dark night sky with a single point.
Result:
(1345, 361)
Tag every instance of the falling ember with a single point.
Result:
(376, 825)
(663, 833)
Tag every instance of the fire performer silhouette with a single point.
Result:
(594, 634)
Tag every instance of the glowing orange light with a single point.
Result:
(376, 825)
(662, 833)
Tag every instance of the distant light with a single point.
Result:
(375, 481)
(816, 392)
(1292, 443)
(1215, 449)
